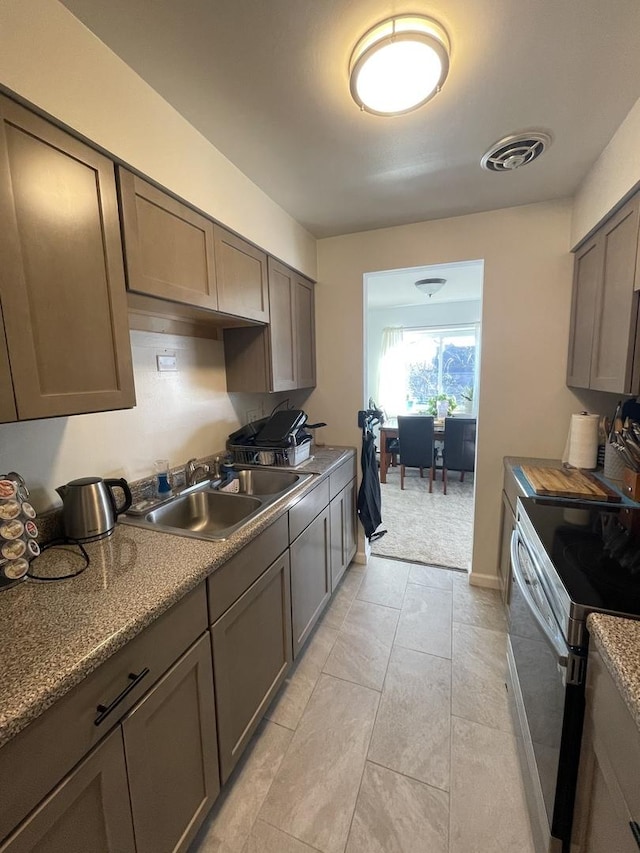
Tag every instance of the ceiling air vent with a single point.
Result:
(515, 151)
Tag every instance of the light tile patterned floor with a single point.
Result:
(391, 734)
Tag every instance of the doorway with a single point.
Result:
(423, 358)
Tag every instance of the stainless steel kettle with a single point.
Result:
(89, 508)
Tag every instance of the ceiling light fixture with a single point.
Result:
(399, 64)
(430, 285)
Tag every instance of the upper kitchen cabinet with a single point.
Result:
(604, 314)
(281, 356)
(241, 271)
(61, 278)
(168, 246)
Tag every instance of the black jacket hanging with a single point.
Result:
(369, 499)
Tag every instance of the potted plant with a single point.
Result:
(467, 396)
(432, 403)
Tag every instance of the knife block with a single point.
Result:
(631, 484)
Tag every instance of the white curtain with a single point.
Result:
(392, 392)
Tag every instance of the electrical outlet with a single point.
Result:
(253, 415)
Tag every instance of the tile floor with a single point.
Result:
(392, 733)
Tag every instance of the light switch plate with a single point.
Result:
(166, 362)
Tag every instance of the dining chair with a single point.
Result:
(393, 448)
(459, 450)
(415, 435)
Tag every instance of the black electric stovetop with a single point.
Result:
(594, 549)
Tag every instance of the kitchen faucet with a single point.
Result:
(191, 472)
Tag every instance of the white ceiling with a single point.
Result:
(396, 288)
(266, 82)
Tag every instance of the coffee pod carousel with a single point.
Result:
(18, 530)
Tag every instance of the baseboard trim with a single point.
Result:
(486, 581)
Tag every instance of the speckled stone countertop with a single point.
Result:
(618, 641)
(54, 634)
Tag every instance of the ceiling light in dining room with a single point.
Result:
(429, 286)
(399, 64)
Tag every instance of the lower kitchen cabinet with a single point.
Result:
(343, 532)
(88, 811)
(310, 577)
(504, 564)
(607, 813)
(154, 777)
(251, 656)
(171, 750)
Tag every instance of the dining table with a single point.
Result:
(389, 429)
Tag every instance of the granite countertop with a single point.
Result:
(54, 634)
(618, 641)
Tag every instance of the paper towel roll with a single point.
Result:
(583, 441)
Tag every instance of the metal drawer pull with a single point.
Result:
(635, 829)
(105, 710)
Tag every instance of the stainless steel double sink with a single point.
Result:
(205, 512)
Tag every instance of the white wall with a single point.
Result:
(52, 60)
(524, 405)
(612, 176)
(407, 316)
(177, 416)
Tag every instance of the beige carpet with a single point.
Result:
(435, 529)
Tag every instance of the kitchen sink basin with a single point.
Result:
(203, 512)
(254, 481)
(207, 512)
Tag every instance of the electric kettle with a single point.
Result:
(89, 508)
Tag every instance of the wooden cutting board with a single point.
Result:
(568, 483)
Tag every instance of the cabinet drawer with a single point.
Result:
(230, 581)
(343, 475)
(615, 732)
(311, 505)
(61, 736)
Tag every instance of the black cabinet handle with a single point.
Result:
(105, 710)
(635, 831)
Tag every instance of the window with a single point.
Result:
(433, 361)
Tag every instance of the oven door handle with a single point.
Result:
(523, 585)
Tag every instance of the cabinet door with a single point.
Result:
(617, 304)
(168, 246)
(88, 811)
(504, 565)
(310, 578)
(241, 273)
(284, 365)
(587, 273)
(343, 542)
(61, 277)
(251, 657)
(305, 337)
(7, 400)
(170, 744)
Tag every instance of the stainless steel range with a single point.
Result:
(567, 560)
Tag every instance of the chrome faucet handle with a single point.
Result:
(191, 469)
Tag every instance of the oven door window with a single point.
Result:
(540, 656)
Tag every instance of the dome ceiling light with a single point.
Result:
(399, 64)
(430, 285)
